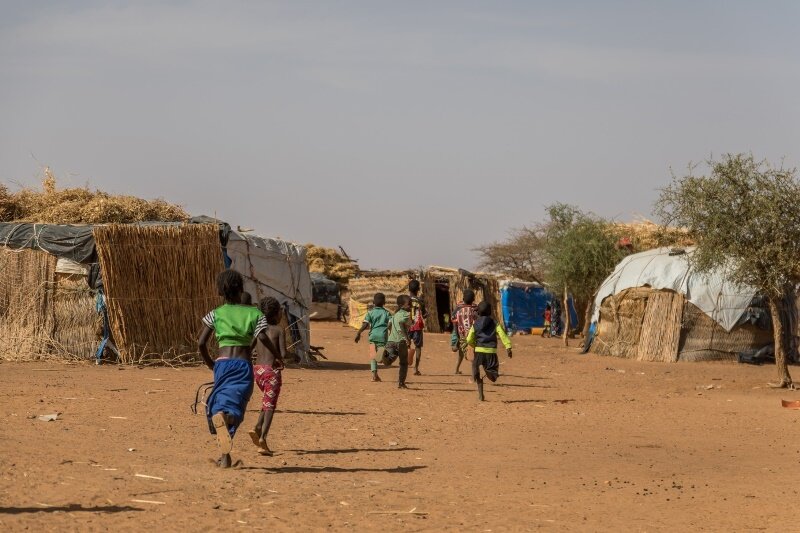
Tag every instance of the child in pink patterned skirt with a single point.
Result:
(267, 372)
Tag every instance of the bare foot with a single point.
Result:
(254, 436)
(417, 373)
(782, 385)
(224, 461)
(376, 377)
(265, 449)
(401, 386)
(223, 435)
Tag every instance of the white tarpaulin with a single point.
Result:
(275, 268)
(722, 300)
(67, 266)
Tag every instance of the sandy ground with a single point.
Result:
(564, 442)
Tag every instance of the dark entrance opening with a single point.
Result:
(443, 304)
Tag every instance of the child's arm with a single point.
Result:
(406, 325)
(204, 337)
(364, 327)
(202, 346)
(504, 339)
(471, 336)
(281, 354)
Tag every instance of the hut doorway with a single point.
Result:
(443, 304)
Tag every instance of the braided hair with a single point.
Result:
(230, 285)
(271, 309)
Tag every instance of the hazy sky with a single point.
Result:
(408, 132)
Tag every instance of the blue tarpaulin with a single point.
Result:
(524, 304)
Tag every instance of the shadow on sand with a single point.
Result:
(331, 469)
(336, 451)
(71, 508)
(332, 413)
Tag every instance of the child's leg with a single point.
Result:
(222, 429)
(255, 434)
(476, 374)
(416, 343)
(373, 363)
(262, 441)
(272, 391)
(460, 356)
(401, 377)
(491, 366)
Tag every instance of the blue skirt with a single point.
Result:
(233, 386)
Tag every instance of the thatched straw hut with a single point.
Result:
(654, 307)
(151, 283)
(442, 289)
(392, 283)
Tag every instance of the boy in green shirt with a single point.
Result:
(397, 345)
(377, 321)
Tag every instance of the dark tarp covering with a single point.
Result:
(324, 290)
(75, 243)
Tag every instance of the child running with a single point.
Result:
(235, 326)
(483, 336)
(377, 321)
(267, 372)
(463, 318)
(416, 330)
(397, 345)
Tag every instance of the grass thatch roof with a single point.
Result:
(81, 206)
(645, 235)
(330, 262)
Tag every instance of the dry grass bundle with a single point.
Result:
(159, 282)
(81, 206)
(330, 262)
(76, 333)
(645, 235)
(26, 318)
(43, 313)
(620, 323)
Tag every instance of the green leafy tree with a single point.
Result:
(569, 249)
(581, 251)
(745, 218)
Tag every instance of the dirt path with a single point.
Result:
(564, 442)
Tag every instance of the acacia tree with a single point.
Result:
(570, 249)
(581, 251)
(745, 218)
(520, 256)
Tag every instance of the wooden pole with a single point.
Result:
(566, 317)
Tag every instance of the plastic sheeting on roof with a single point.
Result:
(73, 242)
(276, 268)
(719, 298)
